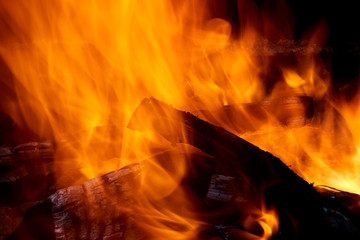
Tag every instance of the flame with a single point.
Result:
(268, 221)
(80, 68)
(325, 151)
(261, 224)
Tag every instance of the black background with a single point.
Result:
(340, 18)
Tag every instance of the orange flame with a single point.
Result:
(267, 220)
(81, 67)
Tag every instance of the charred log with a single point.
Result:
(350, 200)
(289, 111)
(93, 210)
(260, 167)
(26, 172)
(103, 207)
(294, 198)
(223, 188)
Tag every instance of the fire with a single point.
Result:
(81, 67)
(268, 221)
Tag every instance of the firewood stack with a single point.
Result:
(229, 175)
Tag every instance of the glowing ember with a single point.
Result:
(81, 67)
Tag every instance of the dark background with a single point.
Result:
(343, 19)
(340, 18)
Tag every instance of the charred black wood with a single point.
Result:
(223, 188)
(261, 167)
(26, 172)
(27, 153)
(94, 210)
(303, 212)
(350, 200)
(293, 111)
(220, 189)
(103, 207)
(288, 111)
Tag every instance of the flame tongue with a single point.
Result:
(81, 68)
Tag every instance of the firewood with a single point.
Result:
(26, 172)
(350, 200)
(224, 188)
(220, 189)
(293, 111)
(32, 152)
(181, 127)
(288, 111)
(97, 209)
(103, 207)
(294, 199)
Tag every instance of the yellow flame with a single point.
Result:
(81, 67)
(268, 221)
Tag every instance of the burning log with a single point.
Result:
(261, 167)
(26, 172)
(291, 111)
(225, 186)
(94, 210)
(350, 200)
(102, 207)
(294, 198)
(34, 152)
